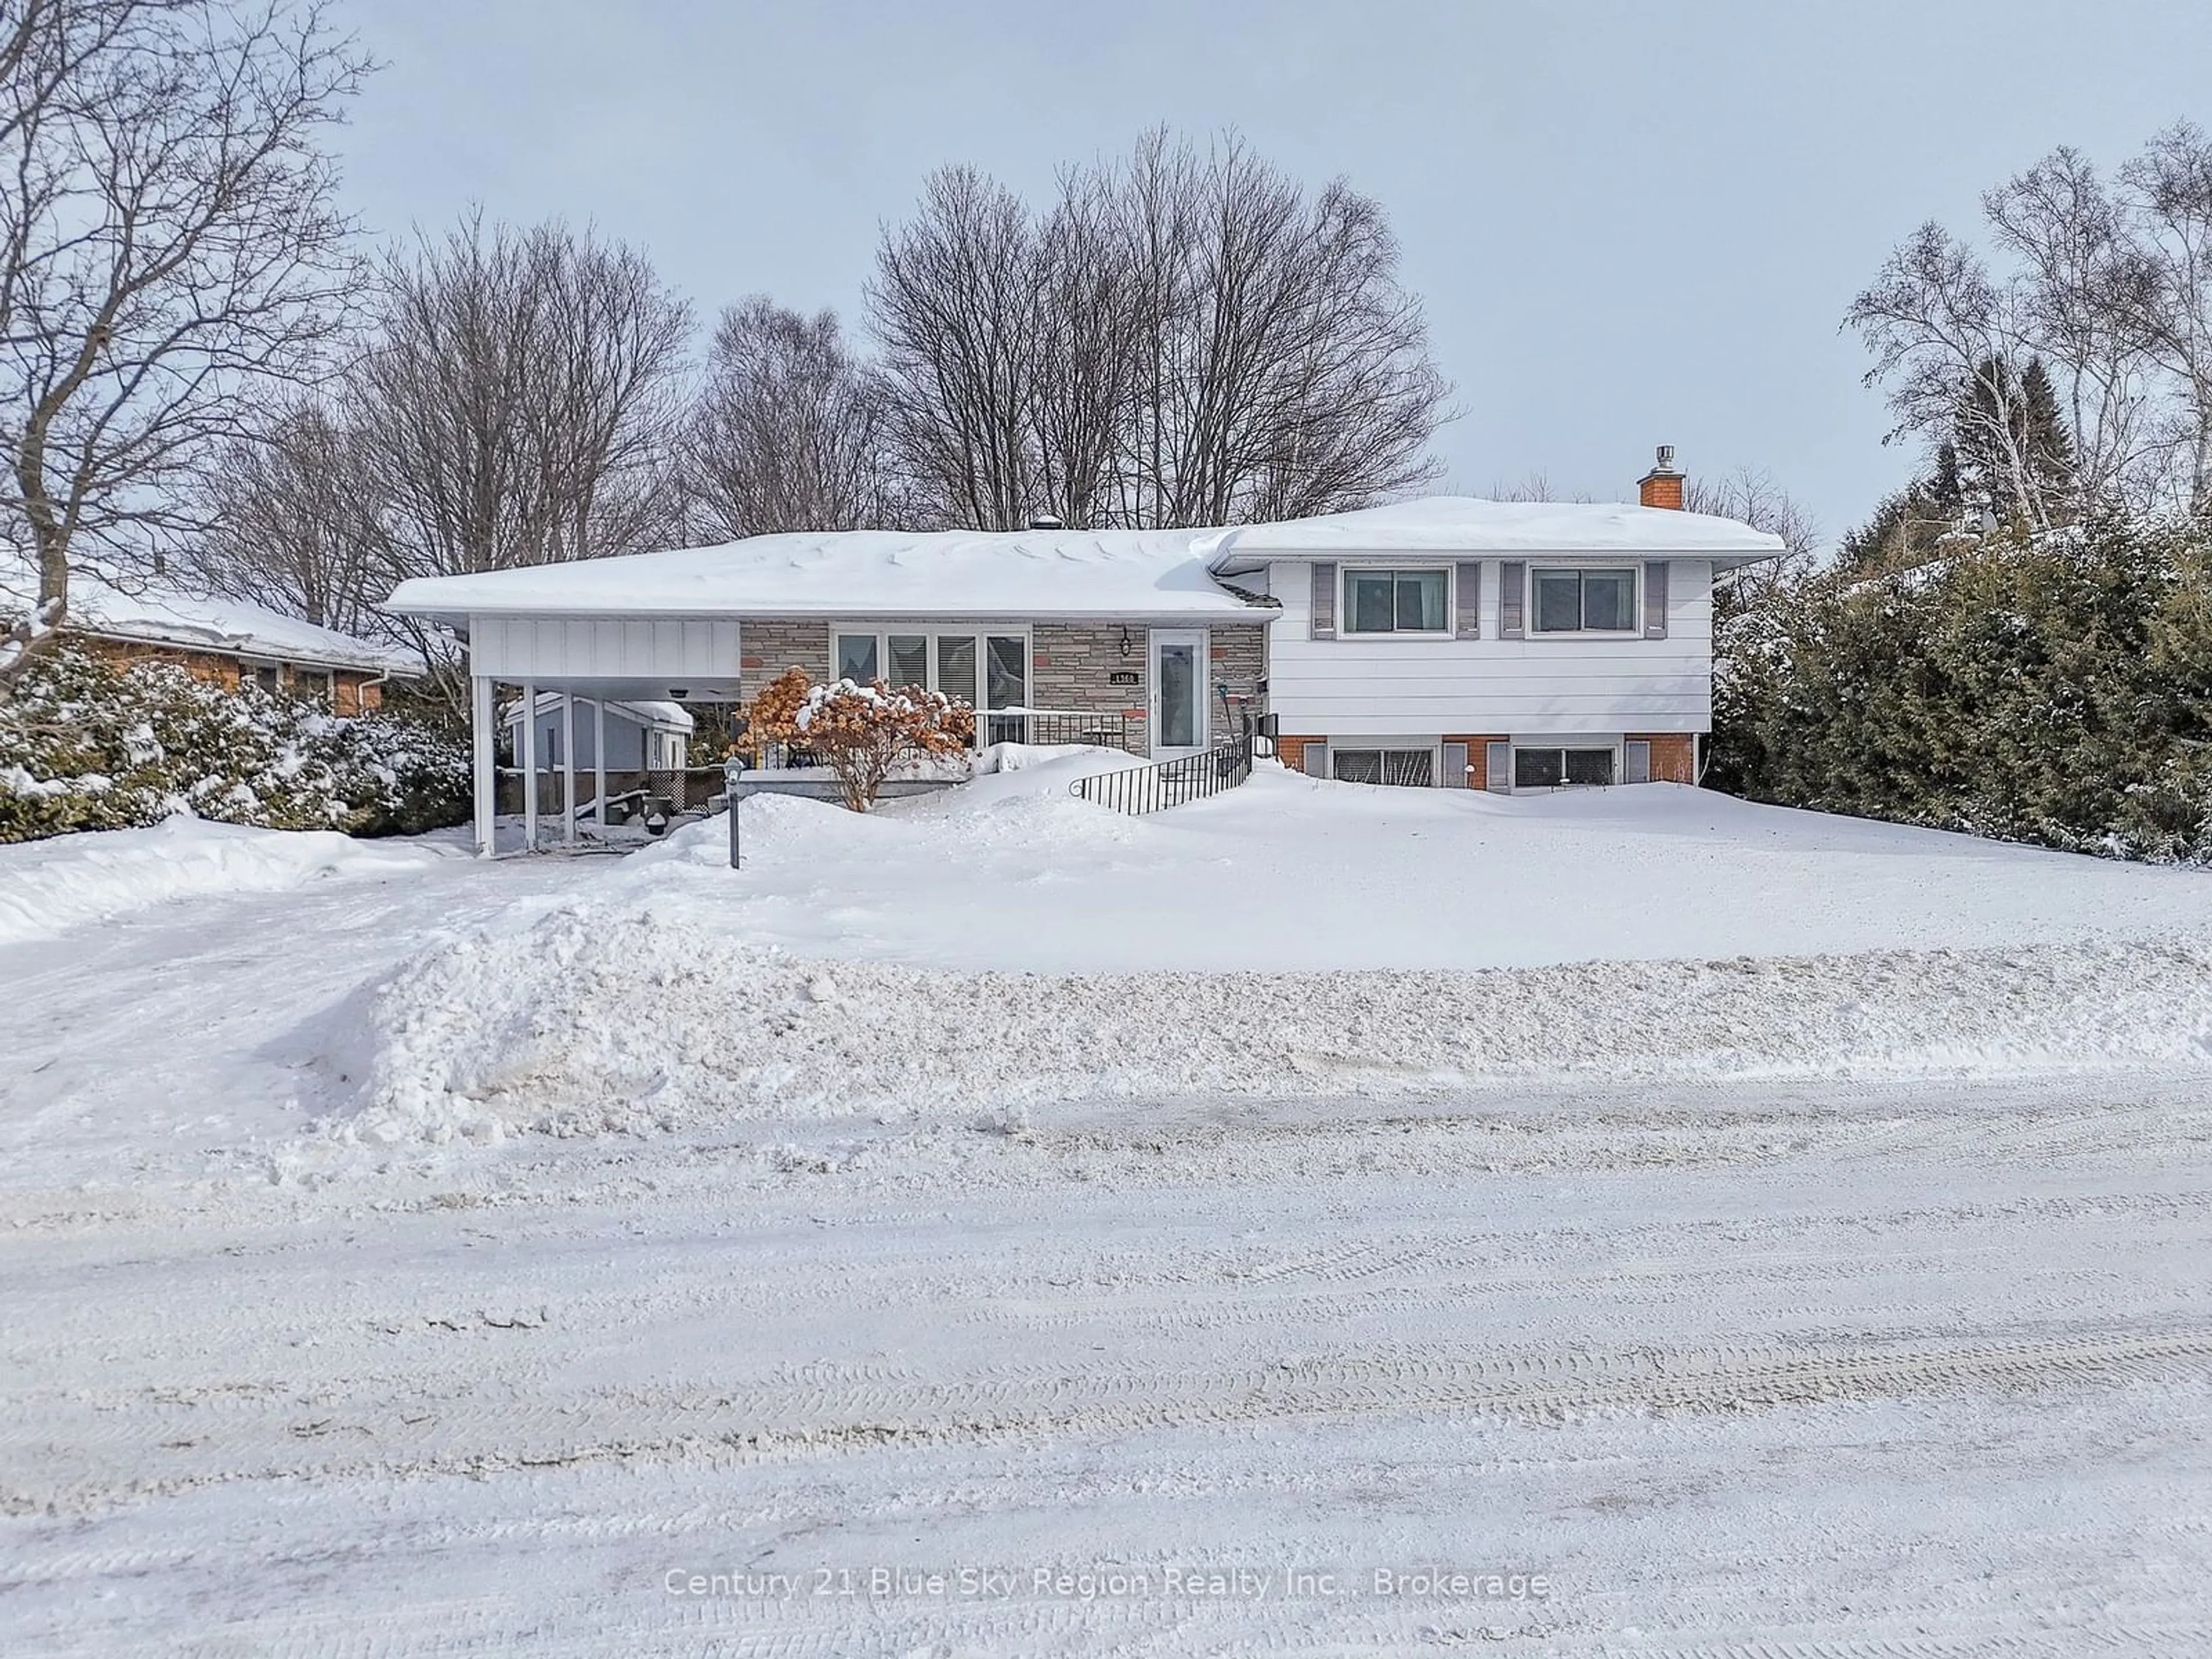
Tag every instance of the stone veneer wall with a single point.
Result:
(1072, 664)
(767, 647)
(1240, 659)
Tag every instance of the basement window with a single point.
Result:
(1409, 767)
(1555, 769)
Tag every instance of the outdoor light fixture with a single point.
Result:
(1125, 639)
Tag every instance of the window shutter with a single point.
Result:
(1317, 760)
(1323, 620)
(1637, 757)
(1497, 769)
(1512, 595)
(1466, 601)
(1655, 599)
(1454, 775)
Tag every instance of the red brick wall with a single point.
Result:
(1478, 756)
(1661, 489)
(1291, 751)
(1674, 755)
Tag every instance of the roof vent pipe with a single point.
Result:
(1047, 521)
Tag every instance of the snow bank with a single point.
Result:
(1005, 946)
(48, 887)
(584, 1023)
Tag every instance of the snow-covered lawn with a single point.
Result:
(1005, 949)
(50, 887)
(1001, 1189)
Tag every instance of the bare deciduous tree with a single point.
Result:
(169, 241)
(1750, 495)
(2108, 285)
(1187, 339)
(788, 431)
(518, 403)
(291, 521)
(953, 303)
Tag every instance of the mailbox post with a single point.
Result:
(733, 769)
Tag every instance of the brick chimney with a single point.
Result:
(1662, 485)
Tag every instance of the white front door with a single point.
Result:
(1178, 691)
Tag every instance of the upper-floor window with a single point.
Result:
(1394, 601)
(1584, 601)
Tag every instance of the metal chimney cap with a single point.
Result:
(1666, 458)
(1047, 521)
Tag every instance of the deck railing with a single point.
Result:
(1142, 789)
(1107, 728)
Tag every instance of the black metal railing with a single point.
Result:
(1109, 728)
(1153, 789)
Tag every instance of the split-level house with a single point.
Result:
(1449, 642)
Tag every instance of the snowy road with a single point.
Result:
(1907, 1370)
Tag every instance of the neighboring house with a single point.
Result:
(226, 641)
(1449, 642)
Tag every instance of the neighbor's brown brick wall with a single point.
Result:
(201, 664)
(354, 694)
(1674, 755)
(352, 690)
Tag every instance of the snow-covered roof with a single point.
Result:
(1470, 523)
(1029, 574)
(162, 612)
(662, 716)
(1019, 573)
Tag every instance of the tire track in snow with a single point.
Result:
(90, 1456)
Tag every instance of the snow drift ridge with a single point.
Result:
(582, 1023)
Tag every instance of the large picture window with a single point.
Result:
(1394, 601)
(988, 673)
(856, 657)
(1584, 601)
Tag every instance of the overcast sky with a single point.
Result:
(1630, 223)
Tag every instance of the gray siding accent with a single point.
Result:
(1655, 599)
(1467, 600)
(1454, 775)
(1322, 617)
(1315, 760)
(1498, 766)
(1512, 599)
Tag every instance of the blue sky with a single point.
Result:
(1630, 223)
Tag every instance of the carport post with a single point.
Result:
(599, 763)
(569, 769)
(530, 766)
(484, 733)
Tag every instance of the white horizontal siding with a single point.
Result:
(1372, 686)
(524, 647)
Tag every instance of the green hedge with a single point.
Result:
(85, 745)
(2054, 690)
